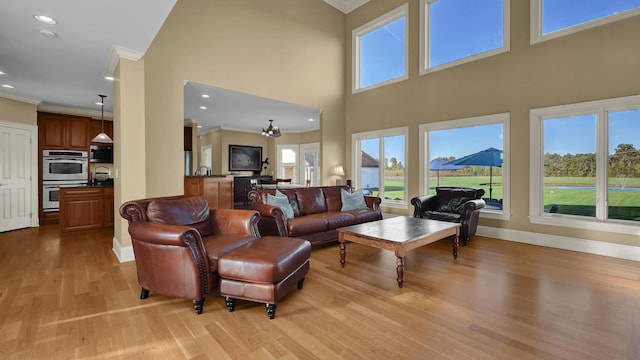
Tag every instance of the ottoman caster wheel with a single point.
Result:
(231, 304)
(271, 311)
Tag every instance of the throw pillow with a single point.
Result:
(352, 201)
(283, 203)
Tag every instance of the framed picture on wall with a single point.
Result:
(245, 158)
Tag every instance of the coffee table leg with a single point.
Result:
(456, 244)
(343, 253)
(400, 270)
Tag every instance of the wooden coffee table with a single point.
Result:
(398, 234)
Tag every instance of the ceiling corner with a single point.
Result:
(346, 6)
(119, 52)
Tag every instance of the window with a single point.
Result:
(554, 18)
(585, 165)
(482, 141)
(380, 52)
(380, 163)
(454, 32)
(310, 168)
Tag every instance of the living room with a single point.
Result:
(301, 52)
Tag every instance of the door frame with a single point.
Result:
(33, 131)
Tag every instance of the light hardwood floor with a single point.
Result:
(67, 297)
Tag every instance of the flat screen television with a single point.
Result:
(245, 158)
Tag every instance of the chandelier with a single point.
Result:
(271, 131)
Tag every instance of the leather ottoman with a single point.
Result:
(264, 270)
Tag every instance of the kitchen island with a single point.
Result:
(218, 189)
(86, 208)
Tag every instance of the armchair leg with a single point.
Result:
(144, 294)
(197, 305)
(271, 311)
(300, 284)
(231, 304)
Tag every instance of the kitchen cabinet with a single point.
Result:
(95, 127)
(217, 190)
(188, 138)
(242, 185)
(86, 208)
(66, 132)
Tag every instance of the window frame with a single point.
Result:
(356, 161)
(397, 13)
(500, 118)
(280, 165)
(536, 161)
(424, 40)
(536, 23)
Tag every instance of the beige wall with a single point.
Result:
(598, 63)
(18, 111)
(289, 50)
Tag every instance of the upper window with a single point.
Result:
(448, 158)
(380, 165)
(589, 179)
(458, 31)
(380, 51)
(554, 18)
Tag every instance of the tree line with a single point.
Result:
(625, 161)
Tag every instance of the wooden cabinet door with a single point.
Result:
(193, 186)
(77, 130)
(225, 198)
(81, 209)
(108, 207)
(51, 129)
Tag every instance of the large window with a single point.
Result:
(288, 162)
(585, 165)
(458, 31)
(380, 51)
(380, 164)
(554, 18)
(468, 152)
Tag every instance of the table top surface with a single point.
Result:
(400, 229)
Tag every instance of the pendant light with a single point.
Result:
(102, 137)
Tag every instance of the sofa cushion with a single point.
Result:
(352, 201)
(307, 225)
(336, 219)
(311, 201)
(442, 216)
(332, 197)
(452, 199)
(187, 211)
(282, 202)
(364, 215)
(293, 200)
(218, 245)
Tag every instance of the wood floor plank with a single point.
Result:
(67, 297)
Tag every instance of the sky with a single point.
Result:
(477, 27)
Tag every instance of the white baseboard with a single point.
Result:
(123, 254)
(562, 242)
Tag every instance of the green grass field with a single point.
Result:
(623, 205)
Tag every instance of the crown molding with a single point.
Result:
(19, 98)
(119, 52)
(96, 114)
(346, 6)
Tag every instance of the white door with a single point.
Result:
(288, 163)
(16, 192)
(310, 164)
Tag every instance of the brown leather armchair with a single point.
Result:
(454, 204)
(177, 241)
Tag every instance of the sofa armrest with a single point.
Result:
(422, 204)
(163, 234)
(272, 220)
(373, 202)
(234, 221)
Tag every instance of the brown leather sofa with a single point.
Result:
(178, 240)
(454, 204)
(317, 213)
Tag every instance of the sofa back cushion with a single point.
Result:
(451, 199)
(311, 200)
(185, 211)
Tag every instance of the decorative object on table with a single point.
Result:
(271, 131)
(102, 137)
(338, 170)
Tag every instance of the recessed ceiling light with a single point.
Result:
(98, 103)
(45, 19)
(110, 78)
(203, 107)
(8, 86)
(48, 34)
(310, 120)
(2, 73)
(205, 96)
(199, 126)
